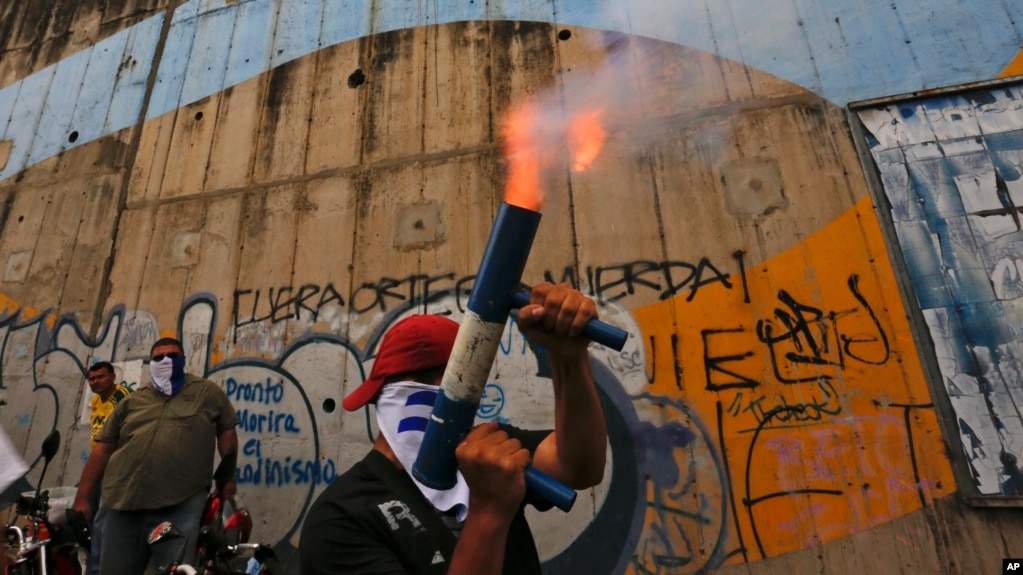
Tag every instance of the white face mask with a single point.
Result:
(397, 413)
(160, 373)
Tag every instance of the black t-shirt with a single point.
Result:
(374, 521)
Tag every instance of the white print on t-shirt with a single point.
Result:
(403, 513)
(437, 558)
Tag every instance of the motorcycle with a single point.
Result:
(223, 547)
(48, 540)
(215, 557)
(221, 514)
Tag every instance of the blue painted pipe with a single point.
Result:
(494, 293)
(476, 345)
(550, 489)
(435, 465)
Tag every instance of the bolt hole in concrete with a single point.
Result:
(329, 405)
(356, 79)
(564, 35)
(72, 136)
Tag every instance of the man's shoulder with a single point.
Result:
(120, 392)
(374, 514)
(355, 493)
(206, 387)
(131, 400)
(357, 522)
(191, 378)
(351, 488)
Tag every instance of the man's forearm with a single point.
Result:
(92, 474)
(580, 433)
(481, 546)
(226, 440)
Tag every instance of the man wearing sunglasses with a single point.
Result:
(154, 457)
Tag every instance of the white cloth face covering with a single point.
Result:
(160, 373)
(403, 409)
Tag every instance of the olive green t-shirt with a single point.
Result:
(164, 445)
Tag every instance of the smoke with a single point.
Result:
(567, 118)
(664, 19)
(593, 98)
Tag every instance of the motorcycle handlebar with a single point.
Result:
(241, 548)
(20, 535)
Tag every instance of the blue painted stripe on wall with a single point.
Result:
(129, 89)
(106, 80)
(25, 119)
(592, 14)
(250, 52)
(298, 31)
(170, 76)
(94, 100)
(186, 11)
(59, 107)
(842, 50)
(342, 21)
(207, 63)
(394, 15)
(8, 96)
(207, 6)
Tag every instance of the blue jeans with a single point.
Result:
(125, 550)
(97, 537)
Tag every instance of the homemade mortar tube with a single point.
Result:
(494, 293)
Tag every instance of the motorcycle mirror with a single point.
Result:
(51, 444)
(163, 531)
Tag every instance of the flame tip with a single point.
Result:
(531, 143)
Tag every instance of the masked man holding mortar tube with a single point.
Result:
(377, 519)
(154, 457)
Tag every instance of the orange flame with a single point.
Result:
(586, 137)
(523, 186)
(533, 140)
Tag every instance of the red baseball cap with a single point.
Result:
(413, 344)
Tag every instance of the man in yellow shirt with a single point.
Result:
(108, 393)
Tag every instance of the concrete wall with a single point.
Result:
(279, 182)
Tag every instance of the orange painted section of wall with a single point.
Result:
(1015, 68)
(9, 307)
(856, 442)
